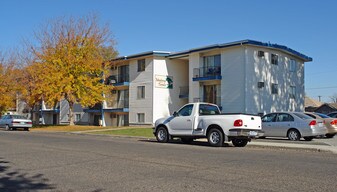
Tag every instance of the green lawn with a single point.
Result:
(139, 132)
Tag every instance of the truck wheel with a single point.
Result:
(162, 135)
(215, 137)
(239, 142)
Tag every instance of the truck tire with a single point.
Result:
(239, 142)
(215, 137)
(162, 135)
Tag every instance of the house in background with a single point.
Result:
(326, 108)
(241, 77)
(311, 104)
(59, 114)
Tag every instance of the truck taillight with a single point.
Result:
(334, 122)
(238, 123)
(312, 123)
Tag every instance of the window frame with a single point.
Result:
(274, 59)
(292, 92)
(141, 65)
(293, 65)
(140, 116)
(141, 92)
(274, 88)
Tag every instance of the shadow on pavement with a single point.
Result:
(178, 142)
(14, 180)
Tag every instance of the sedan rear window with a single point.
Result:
(17, 117)
(302, 116)
(322, 115)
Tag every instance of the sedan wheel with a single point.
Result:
(294, 135)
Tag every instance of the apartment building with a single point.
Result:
(241, 77)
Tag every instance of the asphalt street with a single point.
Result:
(32, 161)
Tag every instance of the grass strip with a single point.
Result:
(139, 132)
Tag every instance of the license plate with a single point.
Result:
(252, 133)
(22, 123)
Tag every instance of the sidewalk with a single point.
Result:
(316, 144)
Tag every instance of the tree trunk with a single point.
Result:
(71, 113)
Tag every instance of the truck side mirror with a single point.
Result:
(175, 114)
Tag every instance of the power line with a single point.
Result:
(332, 87)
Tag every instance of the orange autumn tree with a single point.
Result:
(9, 87)
(72, 56)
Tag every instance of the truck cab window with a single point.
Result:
(186, 111)
(205, 109)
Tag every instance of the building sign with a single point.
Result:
(163, 81)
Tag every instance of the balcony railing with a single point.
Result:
(118, 79)
(206, 73)
(117, 104)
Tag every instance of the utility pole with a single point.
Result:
(319, 98)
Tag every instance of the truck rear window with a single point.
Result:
(205, 109)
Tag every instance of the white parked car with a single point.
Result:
(294, 125)
(203, 120)
(12, 122)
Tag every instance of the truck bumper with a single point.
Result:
(250, 133)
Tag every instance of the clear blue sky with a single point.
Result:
(307, 26)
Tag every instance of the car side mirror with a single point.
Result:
(175, 114)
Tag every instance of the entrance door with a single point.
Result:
(54, 119)
(210, 94)
(96, 119)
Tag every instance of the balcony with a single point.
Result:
(118, 80)
(112, 106)
(207, 73)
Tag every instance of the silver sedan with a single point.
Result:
(293, 125)
(12, 122)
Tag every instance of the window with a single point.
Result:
(274, 59)
(260, 53)
(186, 111)
(274, 88)
(269, 118)
(141, 65)
(283, 117)
(292, 92)
(77, 117)
(208, 109)
(212, 65)
(293, 65)
(141, 117)
(141, 92)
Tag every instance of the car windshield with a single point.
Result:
(17, 117)
(322, 115)
(302, 116)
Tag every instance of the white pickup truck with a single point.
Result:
(203, 120)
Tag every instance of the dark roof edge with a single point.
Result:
(243, 42)
(154, 53)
